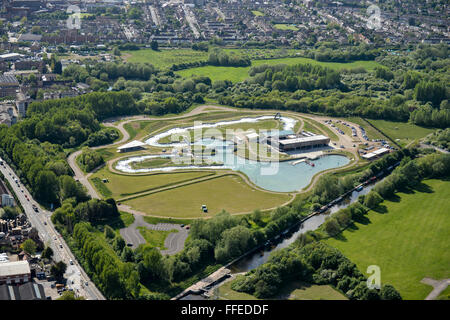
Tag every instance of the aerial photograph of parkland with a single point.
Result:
(207, 150)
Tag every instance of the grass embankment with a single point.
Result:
(293, 291)
(402, 132)
(120, 185)
(407, 237)
(229, 192)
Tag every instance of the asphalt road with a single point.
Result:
(42, 222)
(174, 241)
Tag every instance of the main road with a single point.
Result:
(78, 280)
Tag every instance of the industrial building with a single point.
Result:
(300, 143)
(7, 200)
(15, 272)
(8, 86)
(28, 291)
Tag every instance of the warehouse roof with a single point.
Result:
(14, 268)
(10, 79)
(304, 139)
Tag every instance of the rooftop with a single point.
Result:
(304, 139)
(10, 79)
(14, 268)
(132, 144)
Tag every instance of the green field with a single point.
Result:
(285, 27)
(258, 13)
(407, 238)
(229, 192)
(164, 59)
(155, 238)
(293, 291)
(121, 184)
(237, 74)
(405, 132)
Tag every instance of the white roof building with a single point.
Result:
(252, 136)
(376, 153)
(131, 146)
(15, 272)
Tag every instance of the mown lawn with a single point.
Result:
(293, 291)
(407, 238)
(121, 185)
(229, 192)
(405, 132)
(237, 74)
(285, 27)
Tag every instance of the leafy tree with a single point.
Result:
(9, 213)
(47, 253)
(58, 269)
(154, 45)
(332, 227)
(69, 295)
(109, 232)
(29, 246)
(372, 199)
(388, 292)
(233, 243)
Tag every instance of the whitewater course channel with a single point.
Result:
(283, 176)
(287, 178)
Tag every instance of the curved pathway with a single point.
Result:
(174, 242)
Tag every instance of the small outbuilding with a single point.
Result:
(131, 146)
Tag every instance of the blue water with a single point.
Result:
(280, 176)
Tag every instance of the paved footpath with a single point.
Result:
(174, 241)
(438, 287)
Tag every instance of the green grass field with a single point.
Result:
(285, 27)
(229, 192)
(293, 291)
(155, 238)
(121, 185)
(258, 13)
(164, 59)
(405, 132)
(407, 239)
(237, 74)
